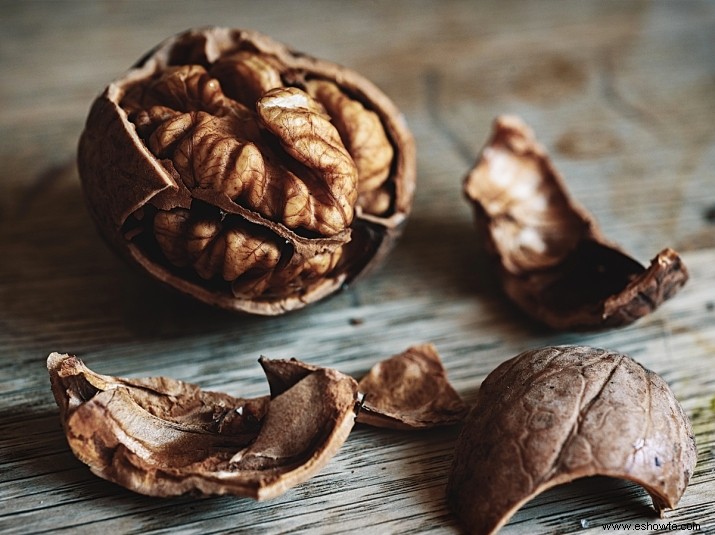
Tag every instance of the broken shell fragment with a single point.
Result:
(552, 415)
(552, 259)
(162, 437)
(410, 391)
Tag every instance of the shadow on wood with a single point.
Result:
(63, 279)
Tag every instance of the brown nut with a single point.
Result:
(552, 415)
(162, 437)
(244, 174)
(552, 259)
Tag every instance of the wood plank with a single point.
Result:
(623, 96)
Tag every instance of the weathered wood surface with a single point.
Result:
(622, 94)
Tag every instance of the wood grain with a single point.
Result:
(622, 94)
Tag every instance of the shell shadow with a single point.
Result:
(62, 280)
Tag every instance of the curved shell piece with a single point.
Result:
(552, 415)
(553, 261)
(163, 437)
(410, 391)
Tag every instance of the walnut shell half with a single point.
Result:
(552, 415)
(552, 259)
(244, 174)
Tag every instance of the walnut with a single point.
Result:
(552, 415)
(162, 437)
(553, 261)
(244, 174)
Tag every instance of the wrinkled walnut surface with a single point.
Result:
(162, 437)
(552, 258)
(244, 174)
(410, 391)
(552, 415)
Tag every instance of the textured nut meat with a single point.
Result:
(162, 437)
(552, 415)
(552, 258)
(244, 174)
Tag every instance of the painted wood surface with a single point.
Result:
(621, 93)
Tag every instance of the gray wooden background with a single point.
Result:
(621, 93)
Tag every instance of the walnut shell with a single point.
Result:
(162, 437)
(553, 260)
(410, 390)
(552, 415)
(245, 174)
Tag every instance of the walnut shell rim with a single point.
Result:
(120, 175)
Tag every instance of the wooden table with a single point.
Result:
(621, 93)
